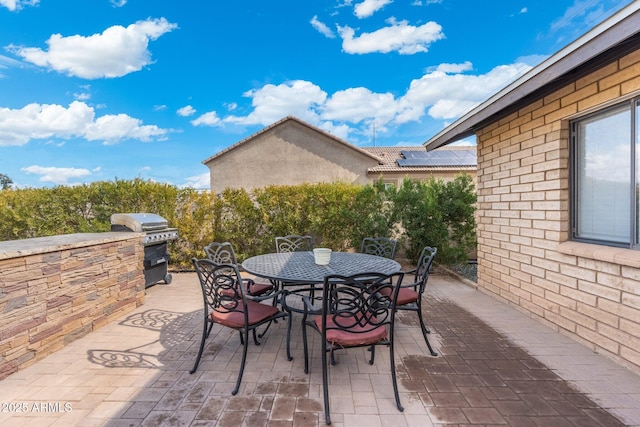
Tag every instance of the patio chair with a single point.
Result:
(410, 296)
(380, 246)
(226, 303)
(353, 316)
(294, 243)
(223, 253)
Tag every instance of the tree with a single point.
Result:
(5, 182)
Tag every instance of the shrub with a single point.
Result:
(336, 215)
(438, 214)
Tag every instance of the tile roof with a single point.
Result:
(390, 156)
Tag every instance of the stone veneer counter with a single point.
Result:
(40, 245)
(56, 289)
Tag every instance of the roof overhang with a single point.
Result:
(613, 38)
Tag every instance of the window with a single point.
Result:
(389, 185)
(605, 176)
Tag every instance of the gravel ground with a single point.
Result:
(468, 271)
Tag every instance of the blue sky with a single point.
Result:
(104, 89)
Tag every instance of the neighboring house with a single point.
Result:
(291, 152)
(397, 163)
(558, 173)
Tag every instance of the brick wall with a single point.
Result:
(50, 297)
(589, 292)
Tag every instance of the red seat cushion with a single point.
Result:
(405, 295)
(235, 319)
(251, 288)
(353, 336)
(257, 289)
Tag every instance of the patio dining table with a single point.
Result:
(300, 267)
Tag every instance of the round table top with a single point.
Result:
(301, 267)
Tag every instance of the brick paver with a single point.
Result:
(496, 367)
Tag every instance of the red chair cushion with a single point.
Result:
(235, 319)
(251, 288)
(257, 289)
(405, 295)
(353, 336)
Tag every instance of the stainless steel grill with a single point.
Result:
(155, 241)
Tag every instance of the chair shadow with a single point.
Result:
(176, 330)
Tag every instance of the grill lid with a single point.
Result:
(139, 222)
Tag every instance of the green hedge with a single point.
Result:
(337, 215)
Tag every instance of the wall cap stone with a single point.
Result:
(41, 245)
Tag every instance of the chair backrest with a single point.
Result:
(349, 304)
(221, 253)
(294, 243)
(380, 246)
(424, 266)
(219, 283)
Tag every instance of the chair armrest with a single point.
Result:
(271, 296)
(309, 307)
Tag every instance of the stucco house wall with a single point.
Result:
(525, 253)
(288, 153)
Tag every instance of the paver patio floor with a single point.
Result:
(496, 367)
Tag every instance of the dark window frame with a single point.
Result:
(633, 105)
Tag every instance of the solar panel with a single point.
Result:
(438, 158)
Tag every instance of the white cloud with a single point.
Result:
(186, 111)
(160, 107)
(112, 129)
(443, 93)
(399, 37)
(340, 130)
(14, 5)
(207, 119)
(583, 15)
(199, 182)
(115, 52)
(271, 103)
(322, 28)
(449, 95)
(118, 3)
(532, 60)
(369, 7)
(455, 68)
(6, 62)
(83, 96)
(58, 176)
(359, 104)
(41, 121)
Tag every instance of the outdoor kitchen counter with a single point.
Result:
(59, 288)
(40, 245)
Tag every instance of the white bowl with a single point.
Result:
(322, 256)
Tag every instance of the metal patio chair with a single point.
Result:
(226, 304)
(223, 253)
(353, 316)
(294, 243)
(410, 295)
(380, 246)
